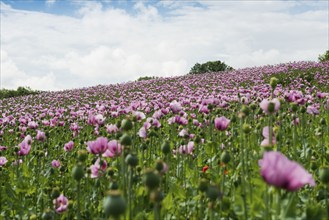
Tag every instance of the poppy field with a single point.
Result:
(250, 143)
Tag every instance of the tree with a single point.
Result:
(324, 57)
(210, 66)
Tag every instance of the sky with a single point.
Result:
(63, 44)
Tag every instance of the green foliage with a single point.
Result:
(210, 66)
(20, 91)
(324, 57)
(142, 78)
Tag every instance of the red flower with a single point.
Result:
(205, 168)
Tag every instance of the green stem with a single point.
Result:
(291, 199)
(78, 200)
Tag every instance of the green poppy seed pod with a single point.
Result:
(165, 147)
(225, 157)
(245, 110)
(294, 106)
(159, 165)
(203, 185)
(139, 169)
(82, 155)
(132, 160)
(213, 193)
(151, 179)
(114, 186)
(323, 121)
(55, 193)
(246, 128)
(274, 82)
(125, 140)
(114, 204)
(324, 175)
(126, 125)
(110, 171)
(271, 107)
(78, 172)
(303, 109)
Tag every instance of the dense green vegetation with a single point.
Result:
(20, 91)
(210, 66)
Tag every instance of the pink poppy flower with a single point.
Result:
(183, 149)
(69, 146)
(175, 107)
(41, 136)
(221, 123)
(142, 132)
(266, 135)
(114, 149)
(111, 128)
(98, 146)
(25, 146)
(3, 161)
(55, 163)
(279, 171)
(265, 105)
(95, 168)
(61, 204)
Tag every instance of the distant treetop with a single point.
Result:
(210, 66)
(324, 57)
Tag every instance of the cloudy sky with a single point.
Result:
(62, 44)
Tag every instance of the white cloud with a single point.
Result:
(12, 77)
(108, 45)
(50, 2)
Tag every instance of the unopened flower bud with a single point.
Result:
(151, 179)
(324, 175)
(125, 140)
(78, 172)
(114, 204)
(165, 147)
(132, 160)
(126, 125)
(274, 82)
(225, 157)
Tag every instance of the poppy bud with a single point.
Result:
(55, 193)
(225, 157)
(114, 204)
(245, 110)
(324, 175)
(165, 147)
(274, 82)
(78, 172)
(132, 160)
(213, 193)
(246, 128)
(151, 179)
(126, 125)
(125, 140)
(203, 185)
(82, 155)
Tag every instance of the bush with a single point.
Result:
(210, 66)
(324, 57)
(21, 91)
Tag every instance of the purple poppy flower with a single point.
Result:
(25, 146)
(61, 204)
(114, 149)
(221, 123)
(3, 161)
(95, 168)
(98, 146)
(55, 163)
(279, 171)
(265, 105)
(41, 136)
(69, 146)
